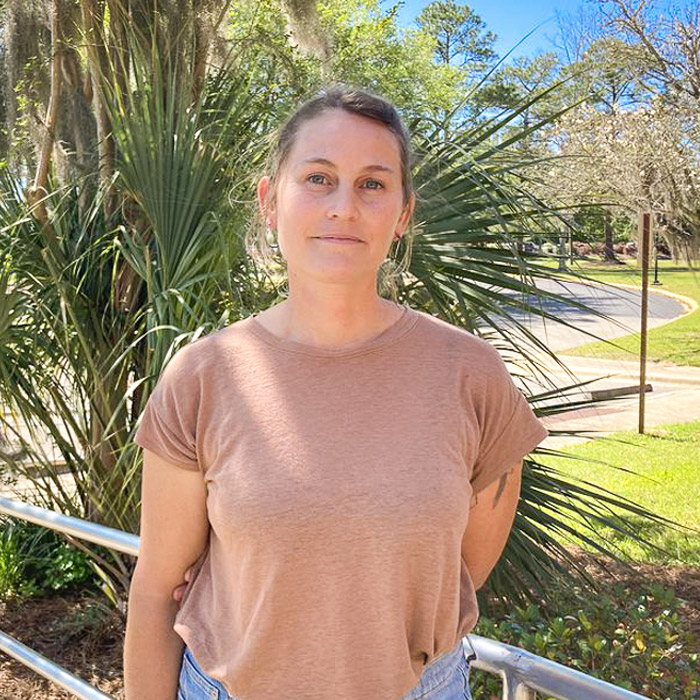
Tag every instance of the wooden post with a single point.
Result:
(645, 237)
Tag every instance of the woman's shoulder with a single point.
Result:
(433, 329)
(205, 350)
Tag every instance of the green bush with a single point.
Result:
(633, 638)
(35, 561)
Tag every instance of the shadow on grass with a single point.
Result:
(682, 356)
(661, 434)
(682, 546)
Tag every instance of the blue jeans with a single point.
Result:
(447, 678)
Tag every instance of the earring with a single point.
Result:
(271, 235)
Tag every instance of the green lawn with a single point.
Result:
(666, 462)
(677, 342)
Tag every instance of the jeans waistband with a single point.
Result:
(437, 671)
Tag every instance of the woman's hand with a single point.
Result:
(490, 523)
(179, 590)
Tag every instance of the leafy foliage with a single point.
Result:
(633, 638)
(459, 33)
(35, 561)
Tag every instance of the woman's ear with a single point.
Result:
(405, 216)
(267, 209)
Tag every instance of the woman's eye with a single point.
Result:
(317, 179)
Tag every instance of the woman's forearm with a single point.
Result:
(152, 649)
(489, 525)
(481, 567)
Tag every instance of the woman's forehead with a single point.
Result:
(373, 166)
(368, 144)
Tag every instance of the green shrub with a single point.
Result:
(633, 638)
(35, 561)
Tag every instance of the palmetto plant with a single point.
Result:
(476, 201)
(97, 298)
(94, 301)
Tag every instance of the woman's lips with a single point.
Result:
(333, 239)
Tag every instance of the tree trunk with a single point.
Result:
(93, 20)
(608, 251)
(119, 46)
(39, 189)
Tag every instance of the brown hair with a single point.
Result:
(355, 101)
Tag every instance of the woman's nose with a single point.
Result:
(342, 203)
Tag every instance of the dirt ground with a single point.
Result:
(72, 631)
(86, 638)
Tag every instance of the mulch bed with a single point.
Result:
(83, 636)
(86, 637)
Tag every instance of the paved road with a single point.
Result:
(624, 305)
(675, 395)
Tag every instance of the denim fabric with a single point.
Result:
(447, 678)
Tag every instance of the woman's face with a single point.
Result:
(339, 198)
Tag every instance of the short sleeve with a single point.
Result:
(509, 428)
(168, 422)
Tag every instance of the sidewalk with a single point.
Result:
(675, 398)
(661, 372)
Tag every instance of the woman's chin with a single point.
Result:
(334, 272)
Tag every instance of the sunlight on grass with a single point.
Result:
(666, 462)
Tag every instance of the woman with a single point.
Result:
(343, 471)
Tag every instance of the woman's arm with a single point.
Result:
(174, 533)
(490, 522)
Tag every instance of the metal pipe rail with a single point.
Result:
(523, 673)
(82, 529)
(48, 669)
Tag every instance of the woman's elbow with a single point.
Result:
(150, 584)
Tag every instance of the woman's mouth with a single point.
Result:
(338, 239)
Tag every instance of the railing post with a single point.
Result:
(525, 673)
(515, 689)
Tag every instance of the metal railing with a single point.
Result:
(84, 530)
(49, 669)
(522, 673)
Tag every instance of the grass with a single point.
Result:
(677, 342)
(666, 481)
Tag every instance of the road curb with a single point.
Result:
(690, 304)
(656, 374)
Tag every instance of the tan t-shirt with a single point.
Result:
(339, 487)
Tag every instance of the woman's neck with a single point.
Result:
(330, 322)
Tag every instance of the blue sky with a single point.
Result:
(511, 20)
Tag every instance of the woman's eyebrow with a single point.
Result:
(325, 161)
